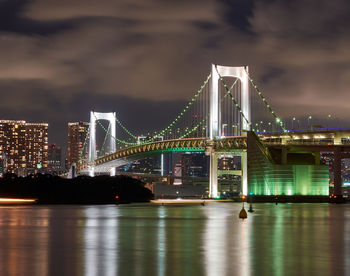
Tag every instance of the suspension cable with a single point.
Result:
(184, 110)
(115, 138)
(124, 128)
(277, 119)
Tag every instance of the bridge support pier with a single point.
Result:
(112, 172)
(213, 171)
(337, 172)
(92, 171)
(213, 175)
(244, 164)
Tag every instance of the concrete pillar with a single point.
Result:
(285, 140)
(244, 168)
(337, 172)
(214, 120)
(337, 138)
(91, 171)
(215, 98)
(94, 116)
(112, 172)
(213, 175)
(92, 138)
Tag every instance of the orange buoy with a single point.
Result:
(243, 214)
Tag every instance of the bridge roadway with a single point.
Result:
(126, 155)
(320, 140)
(316, 141)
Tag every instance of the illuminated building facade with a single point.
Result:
(23, 146)
(2, 165)
(77, 151)
(36, 146)
(12, 145)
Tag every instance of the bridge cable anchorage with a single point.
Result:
(228, 92)
(277, 119)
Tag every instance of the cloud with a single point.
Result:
(161, 51)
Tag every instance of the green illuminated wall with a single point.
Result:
(267, 178)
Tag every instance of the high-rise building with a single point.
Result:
(54, 162)
(12, 145)
(194, 164)
(2, 165)
(77, 142)
(23, 146)
(36, 146)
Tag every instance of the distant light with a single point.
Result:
(17, 200)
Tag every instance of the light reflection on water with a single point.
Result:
(141, 239)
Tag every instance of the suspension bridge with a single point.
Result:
(218, 121)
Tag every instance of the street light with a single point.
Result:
(328, 119)
(308, 121)
(293, 122)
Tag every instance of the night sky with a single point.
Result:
(59, 59)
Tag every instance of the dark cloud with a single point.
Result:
(62, 58)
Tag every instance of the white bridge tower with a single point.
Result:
(215, 125)
(94, 117)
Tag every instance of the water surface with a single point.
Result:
(142, 239)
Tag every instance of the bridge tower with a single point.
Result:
(94, 117)
(215, 125)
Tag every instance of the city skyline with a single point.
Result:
(60, 61)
